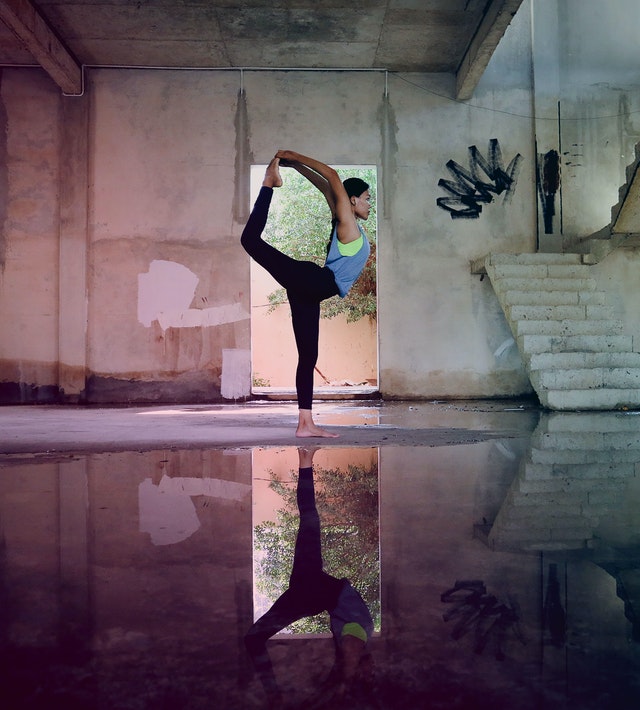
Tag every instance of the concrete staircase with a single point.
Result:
(575, 352)
(575, 475)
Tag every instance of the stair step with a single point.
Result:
(530, 344)
(504, 285)
(568, 327)
(589, 378)
(569, 360)
(580, 475)
(539, 271)
(569, 422)
(586, 441)
(554, 261)
(552, 298)
(532, 258)
(579, 312)
(555, 485)
(585, 458)
(590, 399)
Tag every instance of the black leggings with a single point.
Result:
(307, 284)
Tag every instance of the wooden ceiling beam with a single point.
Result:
(24, 20)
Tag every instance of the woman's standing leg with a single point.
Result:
(305, 317)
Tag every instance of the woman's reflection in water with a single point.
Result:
(312, 591)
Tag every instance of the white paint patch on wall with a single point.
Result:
(167, 511)
(165, 293)
(193, 317)
(167, 286)
(236, 373)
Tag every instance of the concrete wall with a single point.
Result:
(122, 276)
(586, 105)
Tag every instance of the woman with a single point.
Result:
(306, 283)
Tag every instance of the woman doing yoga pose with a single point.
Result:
(307, 283)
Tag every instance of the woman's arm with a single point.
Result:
(346, 222)
(315, 179)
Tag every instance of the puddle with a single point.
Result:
(503, 573)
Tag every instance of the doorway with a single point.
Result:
(299, 225)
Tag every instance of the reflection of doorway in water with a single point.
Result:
(346, 487)
(348, 358)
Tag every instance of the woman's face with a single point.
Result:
(362, 205)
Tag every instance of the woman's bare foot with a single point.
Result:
(272, 175)
(307, 428)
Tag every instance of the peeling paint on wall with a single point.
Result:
(165, 293)
(202, 317)
(236, 373)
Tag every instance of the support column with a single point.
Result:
(74, 630)
(72, 318)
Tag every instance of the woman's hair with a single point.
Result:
(355, 186)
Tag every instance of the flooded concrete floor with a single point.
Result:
(496, 547)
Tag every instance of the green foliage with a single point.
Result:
(300, 225)
(347, 502)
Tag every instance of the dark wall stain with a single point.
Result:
(25, 393)
(4, 177)
(243, 161)
(548, 178)
(194, 388)
(389, 131)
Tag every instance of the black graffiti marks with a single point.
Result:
(491, 620)
(473, 187)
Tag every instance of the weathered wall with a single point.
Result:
(586, 106)
(588, 112)
(168, 291)
(153, 304)
(168, 284)
(29, 177)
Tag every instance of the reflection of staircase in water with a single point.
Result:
(624, 567)
(574, 475)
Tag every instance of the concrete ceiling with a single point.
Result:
(62, 36)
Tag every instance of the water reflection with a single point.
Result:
(127, 579)
(310, 592)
